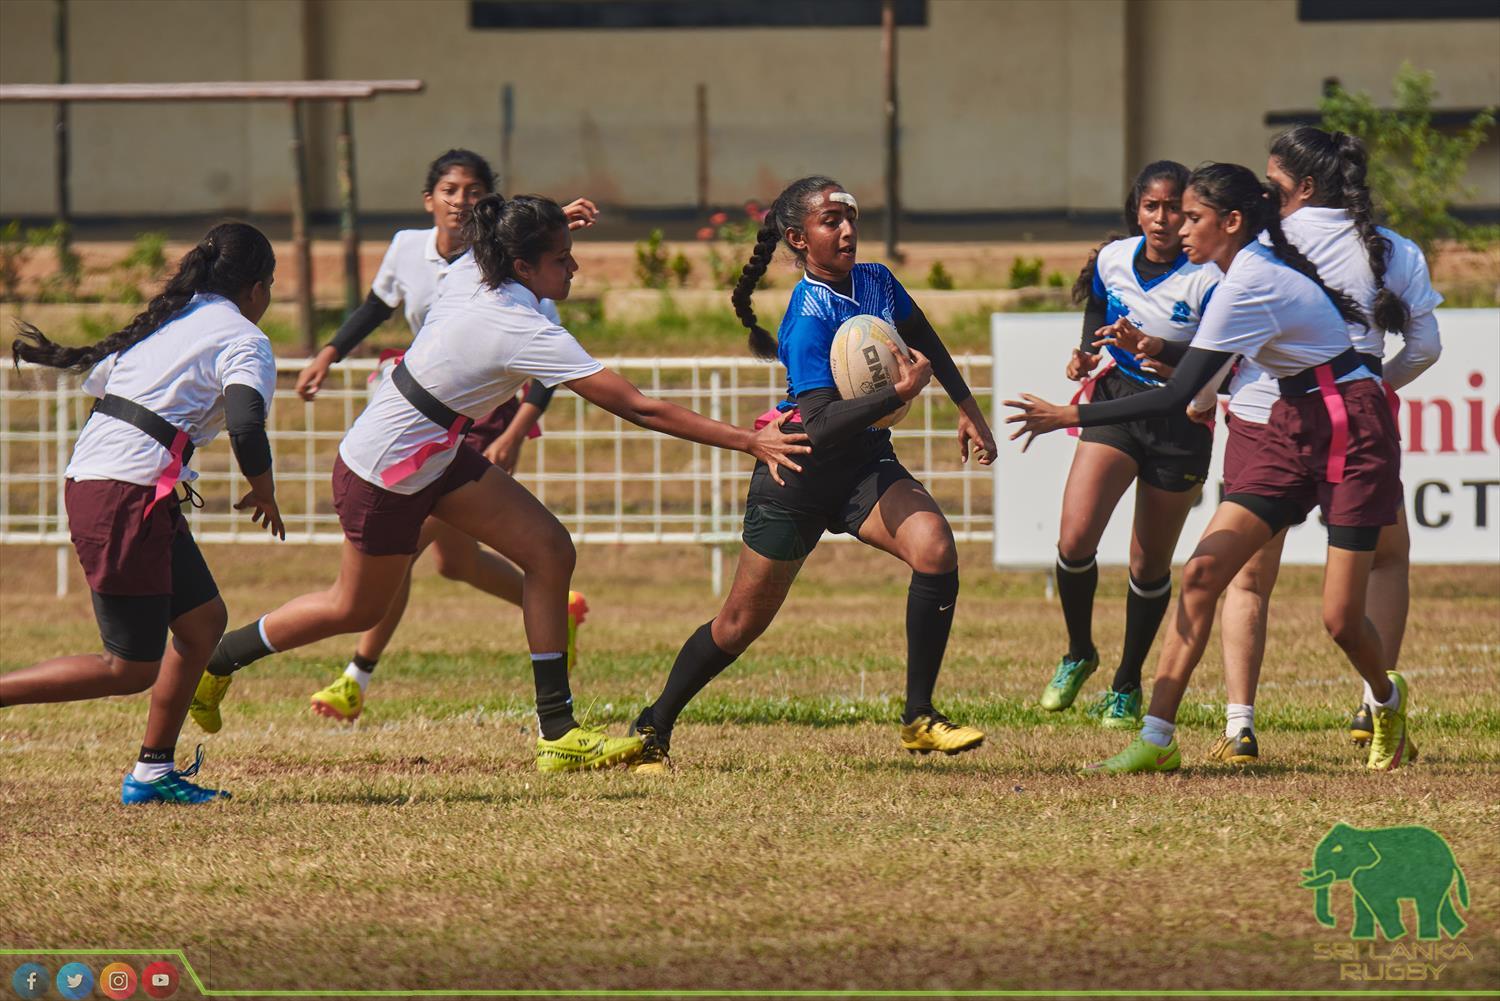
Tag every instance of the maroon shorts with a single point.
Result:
(382, 522)
(144, 571)
(1239, 449)
(1287, 462)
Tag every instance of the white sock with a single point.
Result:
(358, 674)
(1155, 730)
(1393, 703)
(260, 627)
(144, 772)
(1237, 717)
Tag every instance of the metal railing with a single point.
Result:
(607, 480)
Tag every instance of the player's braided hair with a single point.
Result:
(502, 232)
(1160, 170)
(465, 158)
(1229, 187)
(228, 261)
(1337, 163)
(787, 212)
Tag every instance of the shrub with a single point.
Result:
(938, 277)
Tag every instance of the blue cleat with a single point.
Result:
(172, 787)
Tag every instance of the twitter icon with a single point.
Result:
(75, 981)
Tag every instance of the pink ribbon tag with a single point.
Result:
(406, 467)
(169, 476)
(770, 416)
(1338, 417)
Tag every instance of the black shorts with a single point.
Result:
(835, 492)
(1172, 453)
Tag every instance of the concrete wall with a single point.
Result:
(1007, 105)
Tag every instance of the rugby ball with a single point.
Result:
(863, 360)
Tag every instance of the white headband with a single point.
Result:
(844, 197)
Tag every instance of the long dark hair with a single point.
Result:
(1229, 187)
(1159, 170)
(465, 158)
(786, 212)
(228, 261)
(502, 231)
(1337, 163)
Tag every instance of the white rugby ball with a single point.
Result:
(863, 360)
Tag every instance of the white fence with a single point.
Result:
(607, 480)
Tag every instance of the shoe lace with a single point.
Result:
(1065, 670)
(941, 723)
(653, 751)
(1115, 703)
(192, 769)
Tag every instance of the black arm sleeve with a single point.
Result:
(830, 420)
(917, 332)
(360, 324)
(538, 395)
(1095, 314)
(1172, 352)
(245, 420)
(1198, 366)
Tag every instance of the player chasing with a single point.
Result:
(191, 364)
(852, 483)
(1331, 443)
(403, 460)
(415, 263)
(1142, 284)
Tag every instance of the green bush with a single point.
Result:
(1026, 272)
(1416, 170)
(938, 277)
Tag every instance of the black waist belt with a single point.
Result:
(1306, 381)
(161, 430)
(427, 405)
(1374, 363)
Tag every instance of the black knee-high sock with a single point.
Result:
(1144, 607)
(238, 648)
(698, 662)
(554, 700)
(930, 601)
(1076, 583)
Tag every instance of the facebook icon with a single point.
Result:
(29, 980)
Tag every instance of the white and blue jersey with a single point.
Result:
(815, 314)
(1169, 306)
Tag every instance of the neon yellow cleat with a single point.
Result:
(205, 705)
(578, 610)
(343, 700)
(1391, 747)
(1139, 757)
(584, 747)
(926, 734)
(1066, 681)
(1241, 750)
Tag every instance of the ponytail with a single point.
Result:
(786, 212)
(1337, 163)
(762, 344)
(232, 258)
(501, 232)
(1229, 187)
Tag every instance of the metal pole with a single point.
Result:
(892, 153)
(349, 207)
(507, 126)
(300, 247)
(60, 127)
(702, 95)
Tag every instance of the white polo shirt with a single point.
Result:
(1329, 239)
(1275, 317)
(409, 274)
(1169, 306)
(179, 373)
(476, 349)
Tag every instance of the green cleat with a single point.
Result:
(343, 700)
(205, 705)
(1118, 710)
(1139, 757)
(1391, 747)
(582, 748)
(1063, 688)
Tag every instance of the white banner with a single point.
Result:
(1450, 442)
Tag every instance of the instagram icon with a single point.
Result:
(117, 980)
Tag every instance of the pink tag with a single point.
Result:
(171, 474)
(1338, 417)
(414, 462)
(1085, 392)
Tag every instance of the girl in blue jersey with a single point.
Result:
(852, 481)
(1145, 286)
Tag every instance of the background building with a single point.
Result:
(1007, 106)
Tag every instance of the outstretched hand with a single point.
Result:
(1038, 417)
(264, 512)
(773, 446)
(1128, 337)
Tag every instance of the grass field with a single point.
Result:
(795, 847)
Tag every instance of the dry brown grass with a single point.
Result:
(789, 851)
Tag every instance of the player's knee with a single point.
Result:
(937, 553)
(1344, 626)
(736, 629)
(452, 566)
(1202, 575)
(132, 676)
(1074, 547)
